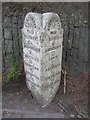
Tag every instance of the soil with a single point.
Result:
(16, 95)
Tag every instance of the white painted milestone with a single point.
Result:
(42, 53)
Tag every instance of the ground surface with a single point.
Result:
(18, 101)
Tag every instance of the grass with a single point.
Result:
(14, 71)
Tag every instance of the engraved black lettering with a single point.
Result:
(32, 75)
(52, 48)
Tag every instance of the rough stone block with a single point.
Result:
(8, 46)
(14, 20)
(7, 22)
(20, 23)
(7, 33)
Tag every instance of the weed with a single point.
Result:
(14, 72)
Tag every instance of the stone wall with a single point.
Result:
(74, 18)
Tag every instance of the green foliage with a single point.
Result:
(14, 72)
